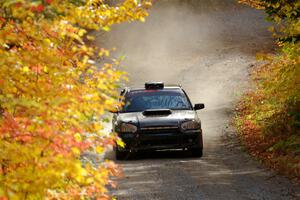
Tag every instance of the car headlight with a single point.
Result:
(128, 128)
(190, 125)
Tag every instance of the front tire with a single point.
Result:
(120, 155)
(197, 152)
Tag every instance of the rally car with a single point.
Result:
(157, 117)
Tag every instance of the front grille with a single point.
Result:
(159, 142)
(160, 129)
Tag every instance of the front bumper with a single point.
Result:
(160, 141)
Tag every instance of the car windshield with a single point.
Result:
(140, 100)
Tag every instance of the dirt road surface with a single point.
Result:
(207, 46)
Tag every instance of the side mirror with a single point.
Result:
(114, 110)
(199, 106)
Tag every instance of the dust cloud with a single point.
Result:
(177, 34)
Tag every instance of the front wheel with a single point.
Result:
(197, 152)
(120, 155)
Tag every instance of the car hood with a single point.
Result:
(172, 119)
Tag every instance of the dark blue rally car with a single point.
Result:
(157, 117)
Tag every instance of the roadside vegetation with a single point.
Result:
(268, 115)
(54, 91)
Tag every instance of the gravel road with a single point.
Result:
(208, 46)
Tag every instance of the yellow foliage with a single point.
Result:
(53, 96)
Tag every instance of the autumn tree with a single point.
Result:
(53, 94)
(269, 115)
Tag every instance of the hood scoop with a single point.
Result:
(157, 112)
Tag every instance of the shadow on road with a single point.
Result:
(174, 154)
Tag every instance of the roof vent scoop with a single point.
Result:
(154, 112)
(154, 85)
